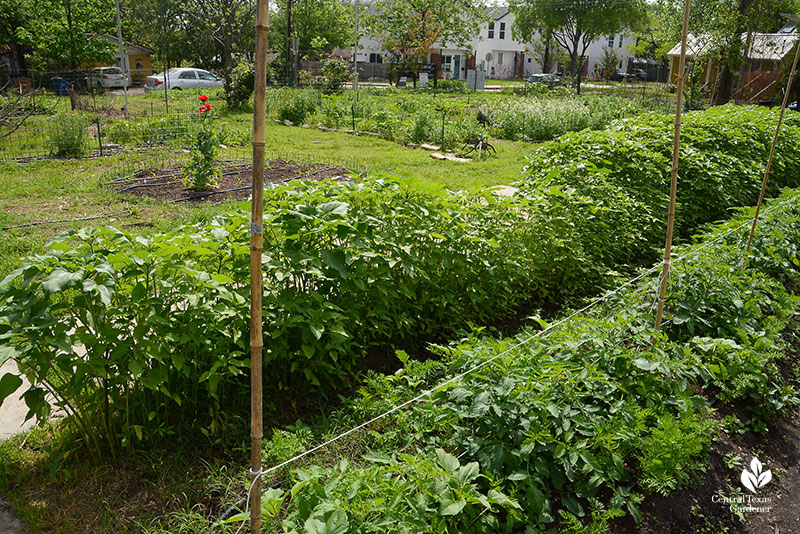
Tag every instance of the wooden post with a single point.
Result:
(772, 149)
(256, 248)
(673, 186)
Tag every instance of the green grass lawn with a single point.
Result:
(48, 190)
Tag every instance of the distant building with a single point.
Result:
(763, 62)
(135, 57)
(494, 51)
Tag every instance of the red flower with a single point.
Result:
(205, 108)
(202, 109)
(202, 98)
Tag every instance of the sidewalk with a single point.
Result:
(12, 417)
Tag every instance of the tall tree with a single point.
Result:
(228, 24)
(409, 29)
(14, 15)
(576, 23)
(724, 26)
(59, 32)
(318, 25)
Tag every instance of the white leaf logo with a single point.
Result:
(757, 478)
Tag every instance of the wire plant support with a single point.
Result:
(673, 186)
(772, 148)
(256, 249)
(257, 474)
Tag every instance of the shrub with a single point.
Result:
(299, 105)
(68, 136)
(335, 73)
(240, 88)
(611, 186)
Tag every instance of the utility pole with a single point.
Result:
(288, 41)
(355, 49)
(164, 65)
(124, 59)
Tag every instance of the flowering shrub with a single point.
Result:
(201, 171)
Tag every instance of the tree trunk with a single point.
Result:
(546, 66)
(732, 56)
(68, 8)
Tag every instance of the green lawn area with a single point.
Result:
(49, 190)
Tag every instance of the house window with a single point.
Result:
(375, 58)
(499, 58)
(529, 60)
(620, 41)
(502, 30)
(611, 41)
(491, 30)
(447, 63)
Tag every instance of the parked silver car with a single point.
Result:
(182, 79)
(108, 78)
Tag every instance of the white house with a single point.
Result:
(495, 51)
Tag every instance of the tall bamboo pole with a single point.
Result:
(673, 186)
(256, 248)
(772, 149)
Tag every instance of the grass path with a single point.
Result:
(52, 190)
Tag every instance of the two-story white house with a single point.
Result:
(495, 51)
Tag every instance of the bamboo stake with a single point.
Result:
(772, 149)
(256, 248)
(673, 186)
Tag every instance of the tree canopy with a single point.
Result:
(575, 24)
(318, 25)
(409, 29)
(57, 30)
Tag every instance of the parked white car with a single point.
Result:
(108, 78)
(183, 79)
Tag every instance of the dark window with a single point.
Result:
(203, 75)
(502, 30)
(375, 58)
(491, 30)
(187, 75)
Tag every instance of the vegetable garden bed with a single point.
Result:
(233, 182)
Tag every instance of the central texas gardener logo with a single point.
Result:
(757, 478)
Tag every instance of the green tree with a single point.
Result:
(408, 29)
(59, 32)
(725, 27)
(609, 62)
(318, 25)
(575, 24)
(14, 15)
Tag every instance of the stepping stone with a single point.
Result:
(429, 147)
(504, 190)
(449, 157)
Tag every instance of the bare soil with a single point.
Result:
(170, 184)
(694, 510)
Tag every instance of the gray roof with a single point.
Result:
(129, 47)
(764, 46)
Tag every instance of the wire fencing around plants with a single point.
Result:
(85, 134)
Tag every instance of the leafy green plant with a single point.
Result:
(673, 451)
(297, 106)
(601, 407)
(240, 88)
(335, 72)
(68, 136)
(201, 171)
